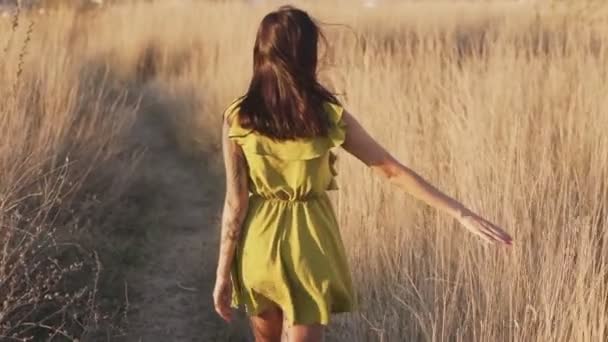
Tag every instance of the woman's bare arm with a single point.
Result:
(235, 210)
(235, 202)
(361, 145)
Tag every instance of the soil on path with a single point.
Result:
(170, 291)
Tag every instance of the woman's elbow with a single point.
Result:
(388, 168)
(237, 204)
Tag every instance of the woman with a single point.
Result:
(281, 255)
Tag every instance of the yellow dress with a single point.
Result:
(291, 252)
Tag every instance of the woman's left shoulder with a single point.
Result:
(231, 112)
(231, 117)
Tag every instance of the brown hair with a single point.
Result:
(284, 99)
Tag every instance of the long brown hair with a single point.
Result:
(284, 99)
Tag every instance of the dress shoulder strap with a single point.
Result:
(231, 113)
(337, 130)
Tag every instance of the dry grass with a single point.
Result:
(500, 104)
(61, 132)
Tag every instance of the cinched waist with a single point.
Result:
(283, 197)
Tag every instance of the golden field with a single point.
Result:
(501, 104)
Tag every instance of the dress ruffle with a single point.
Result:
(300, 149)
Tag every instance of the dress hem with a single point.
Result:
(291, 321)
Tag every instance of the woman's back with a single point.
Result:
(290, 169)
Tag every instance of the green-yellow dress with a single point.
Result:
(291, 252)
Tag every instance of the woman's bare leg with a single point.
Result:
(306, 333)
(268, 326)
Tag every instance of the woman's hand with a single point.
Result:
(222, 297)
(485, 229)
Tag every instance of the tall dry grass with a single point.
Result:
(500, 104)
(62, 127)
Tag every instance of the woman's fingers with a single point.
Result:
(224, 310)
(497, 233)
(486, 236)
(487, 231)
(225, 313)
(221, 300)
(474, 227)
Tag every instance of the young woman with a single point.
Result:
(281, 255)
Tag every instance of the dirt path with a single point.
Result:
(170, 296)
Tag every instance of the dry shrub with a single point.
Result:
(62, 130)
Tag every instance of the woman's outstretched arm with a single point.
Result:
(235, 210)
(361, 145)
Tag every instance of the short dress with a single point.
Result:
(291, 252)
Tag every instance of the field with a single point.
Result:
(111, 178)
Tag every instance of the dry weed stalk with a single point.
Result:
(60, 145)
